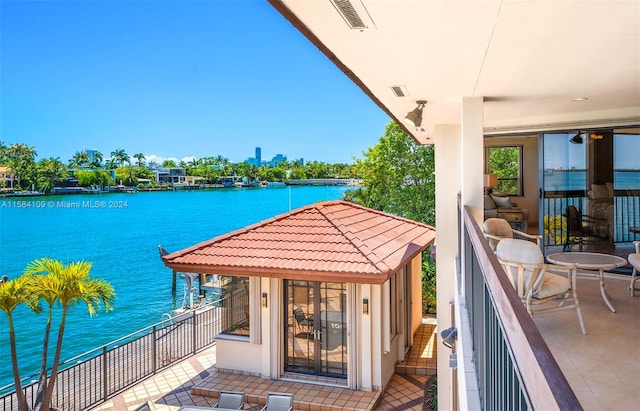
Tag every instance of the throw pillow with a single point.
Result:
(502, 202)
(488, 203)
(610, 188)
(599, 191)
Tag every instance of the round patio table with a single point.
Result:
(590, 262)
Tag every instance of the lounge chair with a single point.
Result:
(143, 407)
(538, 284)
(279, 402)
(232, 400)
(496, 229)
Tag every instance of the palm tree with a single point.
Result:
(221, 160)
(21, 160)
(51, 171)
(3, 152)
(140, 159)
(80, 159)
(121, 156)
(96, 161)
(65, 284)
(13, 293)
(111, 163)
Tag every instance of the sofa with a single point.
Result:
(502, 207)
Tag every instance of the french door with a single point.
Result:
(316, 324)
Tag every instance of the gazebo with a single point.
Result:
(329, 292)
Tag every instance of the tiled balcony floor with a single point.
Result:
(173, 387)
(602, 367)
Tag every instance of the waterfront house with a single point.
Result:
(330, 292)
(7, 178)
(546, 78)
(174, 175)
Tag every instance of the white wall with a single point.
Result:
(239, 355)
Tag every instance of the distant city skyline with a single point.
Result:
(174, 80)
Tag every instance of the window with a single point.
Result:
(234, 301)
(506, 163)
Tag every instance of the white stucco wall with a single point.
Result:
(238, 355)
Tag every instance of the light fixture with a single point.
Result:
(414, 117)
(365, 306)
(490, 180)
(595, 136)
(264, 300)
(577, 139)
(449, 337)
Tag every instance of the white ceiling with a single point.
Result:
(528, 59)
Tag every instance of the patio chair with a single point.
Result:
(634, 260)
(578, 228)
(143, 407)
(539, 284)
(278, 402)
(304, 322)
(231, 400)
(496, 229)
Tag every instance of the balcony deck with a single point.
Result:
(603, 366)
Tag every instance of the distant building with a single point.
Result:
(257, 160)
(277, 159)
(7, 178)
(171, 175)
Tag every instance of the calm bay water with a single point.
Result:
(120, 238)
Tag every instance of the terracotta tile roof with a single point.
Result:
(331, 241)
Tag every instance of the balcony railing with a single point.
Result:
(622, 213)
(515, 368)
(93, 377)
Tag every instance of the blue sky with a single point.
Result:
(174, 79)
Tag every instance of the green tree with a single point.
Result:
(111, 163)
(4, 152)
(129, 175)
(88, 178)
(13, 293)
(139, 159)
(50, 171)
(65, 284)
(398, 177)
(21, 160)
(80, 159)
(168, 164)
(96, 161)
(505, 162)
(121, 156)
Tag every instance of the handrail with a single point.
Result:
(542, 379)
(121, 363)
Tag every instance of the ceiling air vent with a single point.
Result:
(399, 91)
(349, 14)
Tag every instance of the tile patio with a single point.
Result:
(195, 381)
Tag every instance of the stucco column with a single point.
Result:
(448, 177)
(472, 160)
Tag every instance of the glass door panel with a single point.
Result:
(563, 183)
(316, 328)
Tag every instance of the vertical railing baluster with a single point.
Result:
(105, 374)
(194, 333)
(154, 349)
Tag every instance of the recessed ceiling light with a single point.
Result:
(580, 99)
